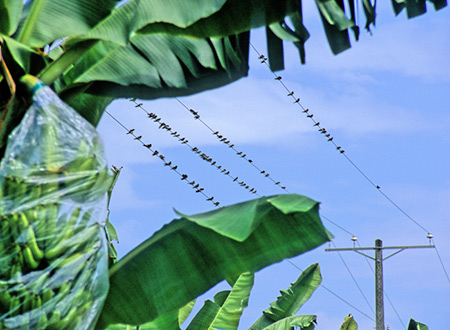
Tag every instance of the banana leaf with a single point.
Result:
(414, 325)
(10, 11)
(349, 323)
(291, 299)
(226, 310)
(304, 322)
(165, 322)
(185, 311)
(159, 65)
(191, 254)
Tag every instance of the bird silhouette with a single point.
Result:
(131, 131)
(291, 93)
(278, 78)
(148, 146)
(138, 137)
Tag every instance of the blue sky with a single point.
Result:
(385, 101)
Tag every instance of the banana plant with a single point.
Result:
(414, 325)
(193, 253)
(349, 323)
(228, 306)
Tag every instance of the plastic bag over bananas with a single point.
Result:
(53, 251)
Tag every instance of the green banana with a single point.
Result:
(27, 301)
(38, 254)
(47, 295)
(66, 321)
(79, 240)
(55, 316)
(5, 297)
(42, 321)
(49, 219)
(14, 305)
(63, 234)
(28, 257)
(36, 302)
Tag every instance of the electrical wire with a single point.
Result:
(174, 168)
(335, 294)
(353, 278)
(331, 140)
(440, 261)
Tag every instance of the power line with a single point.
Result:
(331, 139)
(173, 167)
(354, 280)
(231, 146)
(440, 261)
(184, 141)
(335, 294)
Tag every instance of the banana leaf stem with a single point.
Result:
(57, 68)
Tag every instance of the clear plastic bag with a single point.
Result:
(53, 249)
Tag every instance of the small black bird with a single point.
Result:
(131, 131)
(291, 93)
(278, 78)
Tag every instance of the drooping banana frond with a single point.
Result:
(190, 255)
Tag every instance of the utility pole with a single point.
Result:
(379, 293)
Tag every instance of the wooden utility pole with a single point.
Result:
(379, 293)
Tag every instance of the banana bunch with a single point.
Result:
(53, 253)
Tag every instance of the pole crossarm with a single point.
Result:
(399, 248)
(383, 248)
(379, 292)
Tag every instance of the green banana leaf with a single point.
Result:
(10, 11)
(225, 312)
(48, 20)
(349, 323)
(291, 299)
(414, 325)
(165, 322)
(305, 322)
(190, 255)
(159, 65)
(185, 311)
